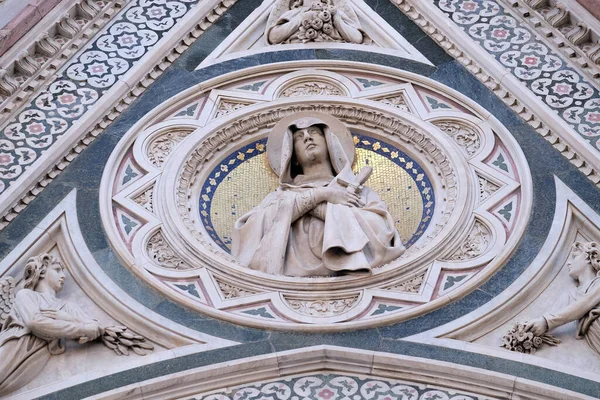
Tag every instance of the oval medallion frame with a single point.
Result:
(154, 179)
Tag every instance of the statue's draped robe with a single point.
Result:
(350, 238)
(583, 305)
(28, 338)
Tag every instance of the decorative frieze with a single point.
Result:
(398, 101)
(312, 89)
(163, 255)
(322, 308)
(474, 245)
(197, 30)
(561, 141)
(412, 285)
(233, 292)
(161, 146)
(566, 31)
(35, 66)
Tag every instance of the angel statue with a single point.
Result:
(583, 302)
(302, 21)
(35, 323)
(321, 220)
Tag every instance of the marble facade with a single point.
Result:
(133, 135)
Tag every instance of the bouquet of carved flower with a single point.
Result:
(121, 340)
(317, 25)
(519, 340)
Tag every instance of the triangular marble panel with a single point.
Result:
(249, 37)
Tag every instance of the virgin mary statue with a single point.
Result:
(321, 220)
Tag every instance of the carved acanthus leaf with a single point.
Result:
(412, 285)
(233, 292)
(145, 199)
(162, 145)
(312, 89)
(475, 245)
(486, 188)
(466, 137)
(162, 254)
(397, 101)
(227, 107)
(322, 308)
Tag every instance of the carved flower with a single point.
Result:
(325, 16)
(311, 34)
(519, 349)
(527, 344)
(327, 29)
(537, 341)
(316, 24)
(306, 23)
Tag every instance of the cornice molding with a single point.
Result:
(104, 116)
(507, 87)
(32, 62)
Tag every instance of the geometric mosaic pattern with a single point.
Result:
(522, 52)
(83, 81)
(339, 387)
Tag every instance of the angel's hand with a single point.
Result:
(538, 326)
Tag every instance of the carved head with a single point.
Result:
(44, 268)
(585, 255)
(310, 146)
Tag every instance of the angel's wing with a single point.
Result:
(277, 11)
(347, 8)
(7, 297)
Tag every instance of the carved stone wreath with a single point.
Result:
(154, 182)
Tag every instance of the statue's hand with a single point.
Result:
(538, 326)
(58, 314)
(91, 331)
(338, 195)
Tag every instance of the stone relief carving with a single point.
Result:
(583, 301)
(397, 101)
(311, 89)
(145, 199)
(466, 137)
(412, 285)
(520, 340)
(486, 188)
(161, 146)
(303, 21)
(162, 254)
(227, 107)
(36, 323)
(322, 219)
(322, 308)
(233, 292)
(475, 245)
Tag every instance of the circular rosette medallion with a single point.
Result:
(452, 181)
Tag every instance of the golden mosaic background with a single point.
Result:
(250, 182)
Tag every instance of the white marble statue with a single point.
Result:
(321, 220)
(584, 300)
(301, 21)
(35, 323)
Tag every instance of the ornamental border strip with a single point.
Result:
(568, 43)
(498, 87)
(14, 95)
(120, 106)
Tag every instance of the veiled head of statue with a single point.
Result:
(308, 137)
